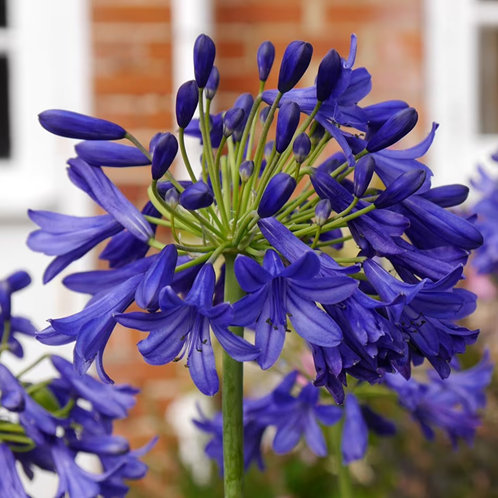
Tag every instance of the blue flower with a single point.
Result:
(92, 327)
(445, 404)
(14, 324)
(108, 400)
(276, 292)
(182, 328)
(374, 231)
(95, 183)
(10, 484)
(355, 432)
(68, 237)
(299, 418)
(426, 314)
(124, 247)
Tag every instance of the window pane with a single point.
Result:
(3, 13)
(4, 108)
(488, 80)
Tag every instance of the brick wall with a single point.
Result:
(132, 86)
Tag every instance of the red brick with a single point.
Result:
(264, 13)
(132, 84)
(136, 14)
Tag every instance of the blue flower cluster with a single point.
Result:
(485, 260)
(451, 405)
(279, 217)
(47, 424)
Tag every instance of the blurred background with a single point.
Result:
(123, 60)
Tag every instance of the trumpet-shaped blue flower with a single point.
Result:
(10, 484)
(445, 404)
(92, 327)
(277, 293)
(182, 328)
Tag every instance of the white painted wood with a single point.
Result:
(451, 55)
(189, 19)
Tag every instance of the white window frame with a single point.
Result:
(452, 69)
(48, 49)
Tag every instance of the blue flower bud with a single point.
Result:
(246, 170)
(111, 154)
(13, 283)
(263, 115)
(447, 195)
(288, 120)
(277, 193)
(204, 54)
(187, 99)
(212, 83)
(296, 59)
(245, 102)
(328, 75)
(153, 142)
(269, 149)
(74, 125)
(317, 134)
(404, 186)
(393, 130)
(363, 175)
(164, 154)
(232, 120)
(322, 212)
(197, 196)
(301, 147)
(172, 198)
(266, 56)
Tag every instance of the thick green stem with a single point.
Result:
(232, 395)
(344, 479)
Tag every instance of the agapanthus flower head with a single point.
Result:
(74, 125)
(272, 236)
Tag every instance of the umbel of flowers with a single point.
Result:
(45, 425)
(276, 214)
